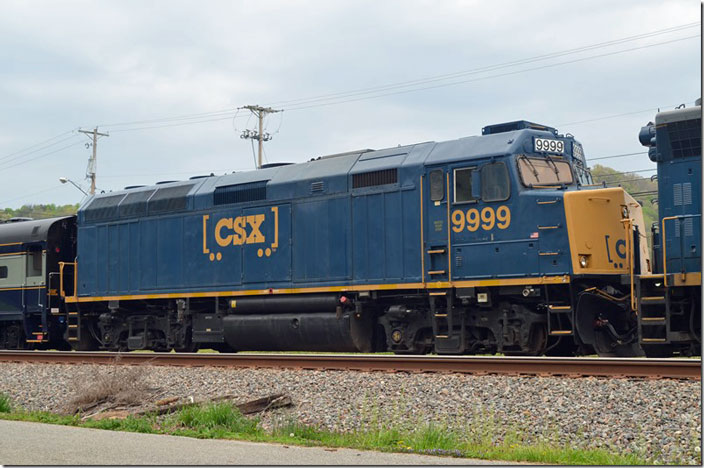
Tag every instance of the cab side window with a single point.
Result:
(463, 185)
(437, 185)
(496, 184)
(3, 272)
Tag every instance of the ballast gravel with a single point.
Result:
(659, 420)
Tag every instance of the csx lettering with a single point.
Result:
(487, 219)
(230, 231)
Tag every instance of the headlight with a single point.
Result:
(583, 261)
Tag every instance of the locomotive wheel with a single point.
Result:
(605, 346)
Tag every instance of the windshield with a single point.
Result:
(548, 171)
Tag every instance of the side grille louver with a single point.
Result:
(240, 193)
(374, 178)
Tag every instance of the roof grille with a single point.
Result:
(240, 193)
(135, 204)
(169, 199)
(374, 178)
(103, 208)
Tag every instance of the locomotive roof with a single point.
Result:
(678, 115)
(332, 172)
(27, 231)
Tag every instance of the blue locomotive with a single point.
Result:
(670, 299)
(485, 244)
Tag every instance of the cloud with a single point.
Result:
(70, 64)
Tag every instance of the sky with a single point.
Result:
(165, 78)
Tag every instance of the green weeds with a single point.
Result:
(382, 432)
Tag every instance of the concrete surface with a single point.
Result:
(26, 443)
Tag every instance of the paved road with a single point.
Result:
(25, 443)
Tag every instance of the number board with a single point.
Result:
(577, 151)
(546, 145)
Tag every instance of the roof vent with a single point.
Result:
(517, 125)
(316, 187)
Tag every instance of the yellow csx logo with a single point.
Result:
(242, 230)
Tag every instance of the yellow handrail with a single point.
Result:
(628, 226)
(61, 279)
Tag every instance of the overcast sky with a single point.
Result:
(185, 66)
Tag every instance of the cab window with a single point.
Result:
(496, 184)
(544, 171)
(463, 185)
(437, 185)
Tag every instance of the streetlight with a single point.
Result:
(63, 180)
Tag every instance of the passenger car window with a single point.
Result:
(496, 185)
(463, 185)
(3, 272)
(34, 263)
(437, 185)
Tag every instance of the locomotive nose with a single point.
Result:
(603, 226)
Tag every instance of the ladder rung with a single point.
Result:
(438, 293)
(441, 315)
(436, 251)
(561, 332)
(73, 313)
(437, 272)
(441, 336)
(652, 319)
(554, 307)
(73, 326)
(72, 338)
(654, 340)
(653, 298)
(33, 341)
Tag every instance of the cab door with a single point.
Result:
(436, 244)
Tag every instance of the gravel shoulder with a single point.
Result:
(655, 419)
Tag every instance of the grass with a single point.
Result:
(223, 420)
(5, 406)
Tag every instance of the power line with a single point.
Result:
(17, 156)
(612, 174)
(336, 101)
(616, 156)
(628, 180)
(174, 118)
(485, 68)
(37, 144)
(171, 125)
(40, 156)
(652, 109)
(31, 194)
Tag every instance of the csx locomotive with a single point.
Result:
(498, 243)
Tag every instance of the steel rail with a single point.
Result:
(482, 365)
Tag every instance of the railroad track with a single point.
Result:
(481, 365)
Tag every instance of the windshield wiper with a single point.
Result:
(535, 171)
(557, 171)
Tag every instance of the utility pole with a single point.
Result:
(260, 112)
(92, 161)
